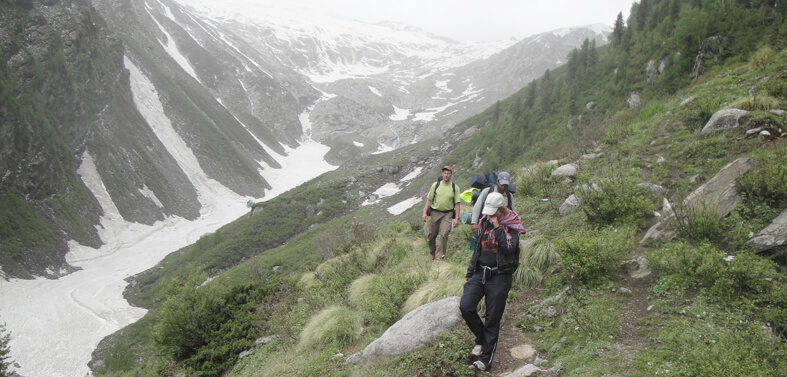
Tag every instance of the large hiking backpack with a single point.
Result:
(479, 182)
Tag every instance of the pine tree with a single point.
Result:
(5, 352)
(617, 31)
(642, 15)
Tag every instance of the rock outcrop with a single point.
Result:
(415, 330)
(724, 120)
(771, 236)
(718, 194)
(565, 171)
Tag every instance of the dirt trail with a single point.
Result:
(630, 339)
(512, 336)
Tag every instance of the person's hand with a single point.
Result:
(474, 227)
(423, 217)
(456, 223)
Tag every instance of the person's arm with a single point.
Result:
(503, 245)
(428, 202)
(458, 214)
(479, 205)
(457, 204)
(426, 206)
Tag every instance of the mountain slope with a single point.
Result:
(706, 306)
(226, 93)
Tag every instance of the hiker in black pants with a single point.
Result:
(494, 260)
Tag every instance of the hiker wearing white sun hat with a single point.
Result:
(490, 274)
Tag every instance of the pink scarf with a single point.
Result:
(510, 220)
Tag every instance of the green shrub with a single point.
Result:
(698, 224)
(651, 109)
(766, 183)
(697, 112)
(746, 276)
(536, 181)
(757, 104)
(776, 87)
(205, 327)
(334, 325)
(591, 256)
(616, 200)
(685, 265)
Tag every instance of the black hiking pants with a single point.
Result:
(495, 289)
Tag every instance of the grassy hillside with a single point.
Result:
(711, 306)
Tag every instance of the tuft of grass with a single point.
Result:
(433, 290)
(380, 296)
(335, 325)
(307, 281)
(537, 256)
(756, 103)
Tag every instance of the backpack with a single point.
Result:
(479, 182)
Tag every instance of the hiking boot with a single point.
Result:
(476, 350)
(479, 365)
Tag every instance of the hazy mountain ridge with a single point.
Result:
(233, 92)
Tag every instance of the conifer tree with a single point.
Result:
(617, 31)
(5, 352)
(642, 14)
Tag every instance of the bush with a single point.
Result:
(591, 256)
(205, 327)
(685, 265)
(334, 325)
(696, 113)
(616, 200)
(698, 224)
(536, 181)
(746, 276)
(448, 355)
(766, 183)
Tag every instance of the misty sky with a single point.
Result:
(463, 20)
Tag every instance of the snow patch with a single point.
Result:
(399, 208)
(429, 114)
(383, 148)
(375, 91)
(388, 189)
(413, 175)
(146, 192)
(399, 114)
(172, 48)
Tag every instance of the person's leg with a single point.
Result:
(433, 228)
(442, 239)
(468, 305)
(496, 292)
